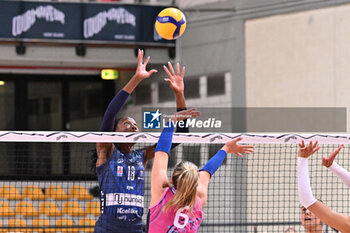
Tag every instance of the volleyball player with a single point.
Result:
(176, 206)
(120, 169)
(336, 220)
(310, 221)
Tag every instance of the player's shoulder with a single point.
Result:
(139, 152)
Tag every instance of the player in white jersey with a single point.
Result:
(340, 222)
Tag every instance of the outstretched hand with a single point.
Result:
(327, 162)
(182, 115)
(307, 151)
(232, 147)
(141, 71)
(175, 81)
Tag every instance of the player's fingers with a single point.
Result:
(324, 161)
(339, 148)
(177, 69)
(147, 60)
(183, 72)
(171, 68)
(167, 71)
(168, 81)
(332, 156)
(247, 151)
(190, 110)
(195, 113)
(310, 144)
(237, 139)
(139, 57)
(315, 150)
(152, 71)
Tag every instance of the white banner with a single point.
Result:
(124, 199)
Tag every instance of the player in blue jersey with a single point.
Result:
(120, 169)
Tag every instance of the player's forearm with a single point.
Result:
(132, 84)
(180, 100)
(165, 139)
(180, 106)
(341, 173)
(305, 193)
(215, 162)
(113, 108)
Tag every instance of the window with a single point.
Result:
(94, 103)
(216, 85)
(44, 105)
(86, 100)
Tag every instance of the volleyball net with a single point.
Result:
(48, 183)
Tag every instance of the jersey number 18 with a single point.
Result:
(131, 173)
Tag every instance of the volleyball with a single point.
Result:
(170, 23)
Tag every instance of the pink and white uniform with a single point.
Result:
(173, 221)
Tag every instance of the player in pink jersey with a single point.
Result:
(176, 206)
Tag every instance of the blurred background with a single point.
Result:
(242, 53)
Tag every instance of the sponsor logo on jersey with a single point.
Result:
(126, 211)
(124, 199)
(120, 171)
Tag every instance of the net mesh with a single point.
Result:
(50, 186)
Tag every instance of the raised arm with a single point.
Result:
(104, 150)
(159, 178)
(339, 171)
(336, 220)
(176, 84)
(140, 74)
(215, 162)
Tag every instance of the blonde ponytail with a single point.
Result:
(185, 180)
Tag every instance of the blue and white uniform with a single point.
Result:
(121, 180)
